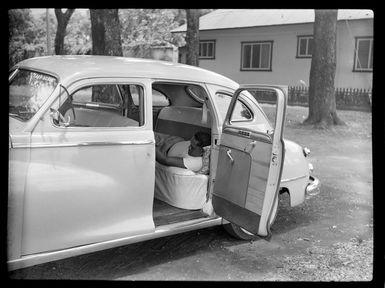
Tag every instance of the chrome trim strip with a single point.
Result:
(106, 143)
(292, 179)
(160, 231)
(92, 105)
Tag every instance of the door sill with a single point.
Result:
(164, 214)
(160, 231)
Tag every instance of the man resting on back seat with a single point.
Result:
(184, 154)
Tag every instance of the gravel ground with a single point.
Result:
(342, 261)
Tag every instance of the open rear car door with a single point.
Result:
(249, 167)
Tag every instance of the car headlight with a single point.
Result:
(306, 151)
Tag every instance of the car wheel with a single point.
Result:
(239, 233)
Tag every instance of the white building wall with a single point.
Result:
(286, 68)
(346, 33)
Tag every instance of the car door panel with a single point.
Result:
(248, 172)
(88, 184)
(71, 199)
(236, 170)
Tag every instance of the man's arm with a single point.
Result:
(162, 158)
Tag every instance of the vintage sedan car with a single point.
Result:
(82, 170)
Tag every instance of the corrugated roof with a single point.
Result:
(241, 18)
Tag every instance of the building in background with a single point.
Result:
(275, 46)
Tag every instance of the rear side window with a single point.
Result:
(159, 99)
(196, 92)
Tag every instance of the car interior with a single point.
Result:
(177, 110)
(179, 193)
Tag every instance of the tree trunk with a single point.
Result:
(62, 22)
(322, 102)
(106, 40)
(97, 31)
(192, 37)
(113, 42)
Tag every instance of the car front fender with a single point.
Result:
(296, 173)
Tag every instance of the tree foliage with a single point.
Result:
(78, 38)
(28, 35)
(150, 26)
(25, 36)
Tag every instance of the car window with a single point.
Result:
(106, 105)
(28, 91)
(196, 92)
(267, 100)
(159, 99)
(107, 94)
(240, 112)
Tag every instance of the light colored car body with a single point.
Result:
(74, 190)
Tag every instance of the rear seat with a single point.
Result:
(182, 121)
(180, 187)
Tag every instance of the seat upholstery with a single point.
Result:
(180, 187)
(181, 121)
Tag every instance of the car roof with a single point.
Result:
(69, 67)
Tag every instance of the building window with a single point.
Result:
(256, 56)
(305, 46)
(363, 54)
(207, 49)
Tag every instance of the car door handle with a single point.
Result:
(229, 155)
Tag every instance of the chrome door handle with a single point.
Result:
(229, 155)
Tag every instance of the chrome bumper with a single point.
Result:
(312, 188)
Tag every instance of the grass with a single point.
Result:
(342, 158)
(358, 124)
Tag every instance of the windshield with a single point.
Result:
(28, 90)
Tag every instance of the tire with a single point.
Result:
(239, 233)
(242, 234)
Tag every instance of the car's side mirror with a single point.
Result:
(59, 119)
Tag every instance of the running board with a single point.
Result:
(160, 231)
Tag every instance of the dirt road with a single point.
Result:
(327, 238)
